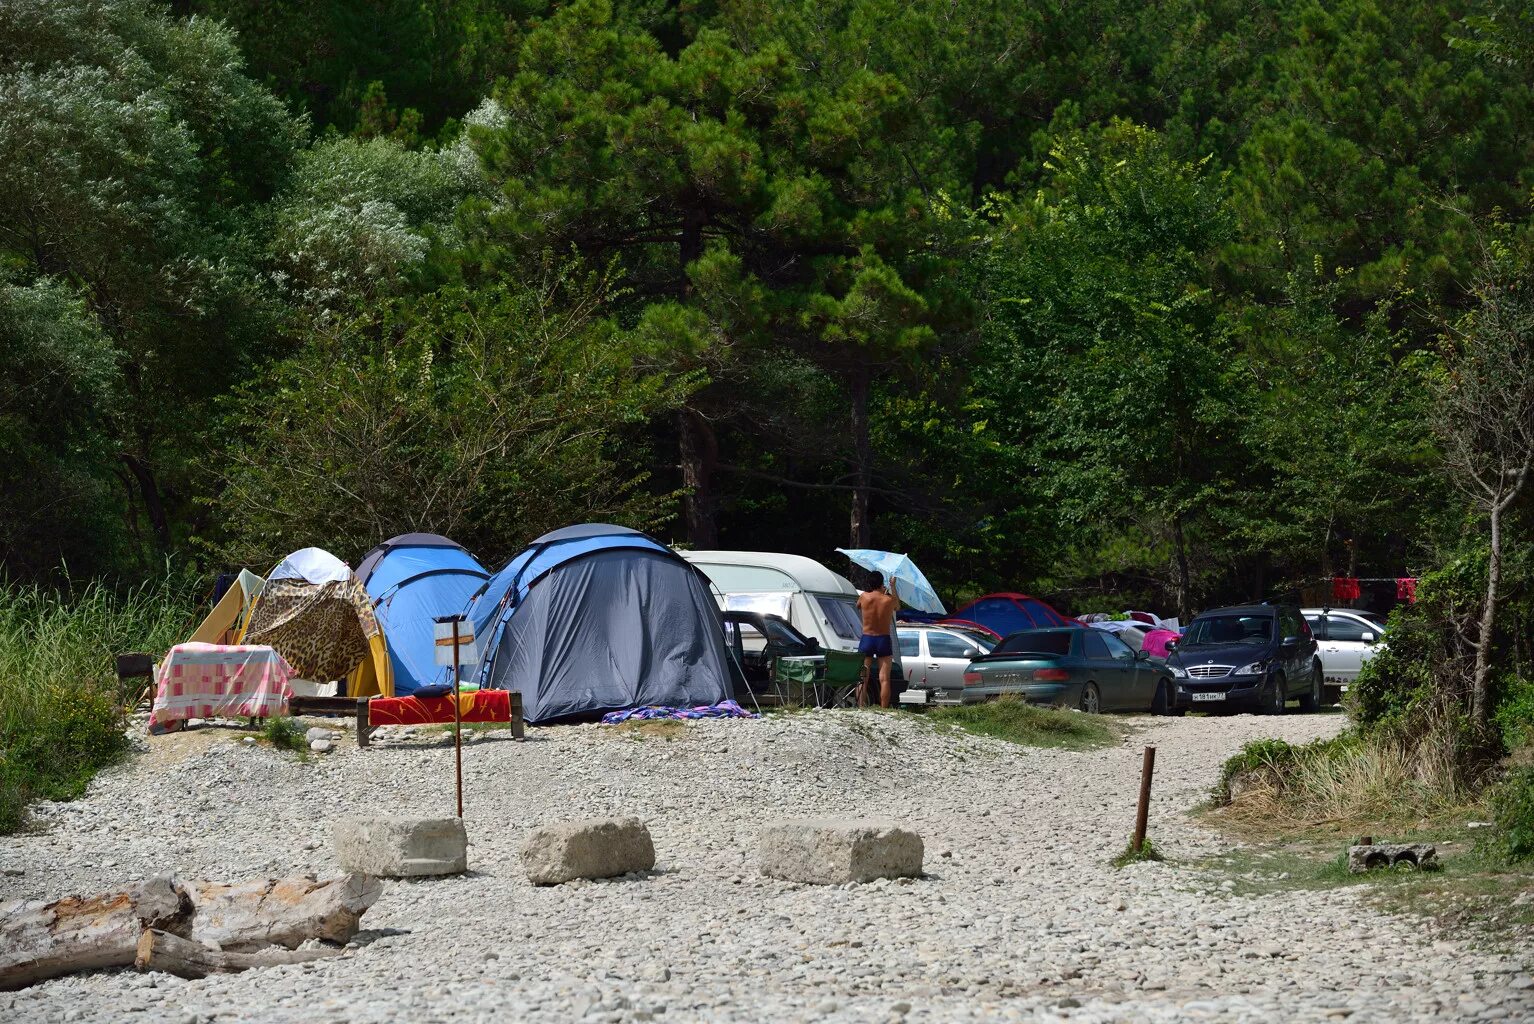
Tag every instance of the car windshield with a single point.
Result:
(1229, 629)
(1053, 643)
(781, 632)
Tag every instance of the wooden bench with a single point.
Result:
(339, 707)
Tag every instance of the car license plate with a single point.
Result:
(913, 697)
(1208, 696)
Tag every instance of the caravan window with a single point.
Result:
(764, 604)
(735, 579)
(843, 615)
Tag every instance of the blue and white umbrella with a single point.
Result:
(910, 585)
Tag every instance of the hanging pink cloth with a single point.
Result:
(1344, 588)
(1406, 589)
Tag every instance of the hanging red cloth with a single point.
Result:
(1406, 589)
(1344, 588)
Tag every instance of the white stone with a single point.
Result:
(318, 734)
(321, 746)
(832, 851)
(400, 847)
(595, 848)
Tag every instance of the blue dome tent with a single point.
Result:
(596, 618)
(412, 579)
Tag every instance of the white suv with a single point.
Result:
(1347, 638)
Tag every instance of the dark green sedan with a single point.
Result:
(1070, 667)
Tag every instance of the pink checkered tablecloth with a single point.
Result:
(219, 681)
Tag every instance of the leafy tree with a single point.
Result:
(753, 199)
(1337, 426)
(357, 221)
(491, 416)
(133, 152)
(1366, 139)
(1104, 358)
(1485, 423)
(59, 382)
(348, 64)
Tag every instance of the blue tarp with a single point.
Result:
(599, 618)
(412, 580)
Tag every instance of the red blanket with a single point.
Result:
(481, 706)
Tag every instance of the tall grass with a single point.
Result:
(1350, 782)
(61, 709)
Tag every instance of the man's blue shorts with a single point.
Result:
(878, 646)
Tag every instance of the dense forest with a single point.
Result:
(1108, 301)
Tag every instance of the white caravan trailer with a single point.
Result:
(816, 601)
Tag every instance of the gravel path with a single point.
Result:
(1020, 917)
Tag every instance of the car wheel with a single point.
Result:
(1159, 702)
(1310, 703)
(1091, 702)
(1273, 702)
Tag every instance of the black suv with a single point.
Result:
(1255, 656)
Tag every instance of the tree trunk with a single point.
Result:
(149, 490)
(280, 912)
(171, 954)
(699, 452)
(860, 529)
(1184, 599)
(85, 933)
(1480, 708)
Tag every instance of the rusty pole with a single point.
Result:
(457, 721)
(1147, 769)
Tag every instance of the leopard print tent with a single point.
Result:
(325, 631)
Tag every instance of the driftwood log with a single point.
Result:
(85, 933)
(280, 912)
(171, 954)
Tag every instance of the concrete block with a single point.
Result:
(834, 851)
(398, 847)
(1375, 856)
(595, 848)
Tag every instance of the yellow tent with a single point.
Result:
(225, 623)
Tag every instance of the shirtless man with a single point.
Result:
(878, 608)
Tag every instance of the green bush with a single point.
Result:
(1017, 721)
(1515, 712)
(61, 711)
(1270, 757)
(285, 734)
(1512, 806)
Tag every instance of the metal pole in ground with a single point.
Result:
(1147, 769)
(458, 721)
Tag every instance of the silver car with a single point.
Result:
(1346, 638)
(935, 657)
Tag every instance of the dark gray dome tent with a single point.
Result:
(597, 618)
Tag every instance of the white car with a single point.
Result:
(1345, 639)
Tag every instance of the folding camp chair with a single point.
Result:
(843, 675)
(136, 666)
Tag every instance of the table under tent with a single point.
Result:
(413, 579)
(597, 618)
